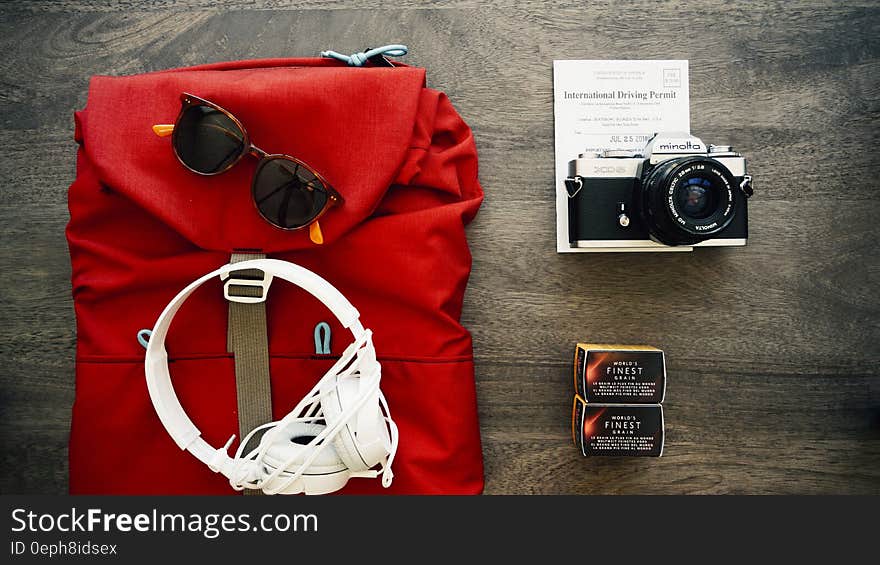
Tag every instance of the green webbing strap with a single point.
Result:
(247, 340)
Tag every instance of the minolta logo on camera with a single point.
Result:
(679, 146)
(675, 195)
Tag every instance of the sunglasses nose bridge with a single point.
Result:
(257, 152)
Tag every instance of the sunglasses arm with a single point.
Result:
(163, 130)
(315, 233)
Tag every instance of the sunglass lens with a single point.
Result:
(207, 140)
(288, 194)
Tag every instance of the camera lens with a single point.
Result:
(696, 199)
(687, 200)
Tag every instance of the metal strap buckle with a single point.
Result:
(247, 286)
(573, 185)
(746, 186)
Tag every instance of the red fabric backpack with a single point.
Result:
(142, 227)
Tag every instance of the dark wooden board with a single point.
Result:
(772, 349)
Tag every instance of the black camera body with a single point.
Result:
(677, 194)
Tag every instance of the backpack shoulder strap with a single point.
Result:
(247, 340)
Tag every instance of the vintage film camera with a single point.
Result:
(677, 194)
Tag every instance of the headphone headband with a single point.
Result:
(179, 426)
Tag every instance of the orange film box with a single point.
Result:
(634, 430)
(619, 374)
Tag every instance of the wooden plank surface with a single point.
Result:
(772, 349)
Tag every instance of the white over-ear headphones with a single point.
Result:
(341, 429)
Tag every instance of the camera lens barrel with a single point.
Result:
(687, 200)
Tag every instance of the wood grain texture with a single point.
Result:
(772, 349)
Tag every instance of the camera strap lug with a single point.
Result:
(573, 185)
(746, 186)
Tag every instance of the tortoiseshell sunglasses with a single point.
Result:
(209, 140)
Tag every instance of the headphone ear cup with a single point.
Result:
(373, 438)
(332, 405)
(328, 473)
(291, 444)
(363, 441)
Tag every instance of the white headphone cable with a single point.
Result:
(247, 470)
(312, 400)
(241, 478)
(387, 473)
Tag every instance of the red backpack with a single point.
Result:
(142, 227)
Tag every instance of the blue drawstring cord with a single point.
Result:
(144, 337)
(322, 348)
(358, 59)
